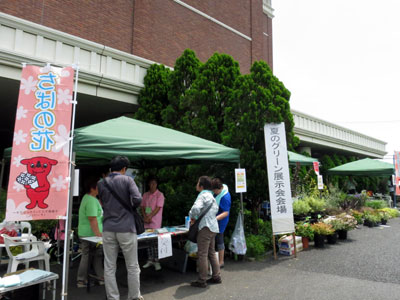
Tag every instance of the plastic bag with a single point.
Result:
(190, 248)
(8, 228)
(238, 241)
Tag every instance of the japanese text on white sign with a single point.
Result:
(240, 180)
(278, 178)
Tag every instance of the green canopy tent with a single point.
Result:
(146, 145)
(364, 167)
(303, 160)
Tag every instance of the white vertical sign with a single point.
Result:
(320, 182)
(240, 180)
(278, 178)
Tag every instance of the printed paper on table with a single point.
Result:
(164, 245)
(240, 181)
(278, 179)
(38, 184)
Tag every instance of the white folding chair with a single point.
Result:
(37, 252)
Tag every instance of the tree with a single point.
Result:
(257, 98)
(153, 98)
(212, 100)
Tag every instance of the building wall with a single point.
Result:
(164, 29)
(159, 30)
(108, 22)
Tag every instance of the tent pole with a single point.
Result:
(3, 164)
(67, 235)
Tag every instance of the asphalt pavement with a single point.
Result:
(365, 266)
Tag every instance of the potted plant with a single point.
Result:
(346, 222)
(304, 230)
(300, 208)
(321, 230)
(358, 216)
(336, 225)
(385, 216)
(371, 219)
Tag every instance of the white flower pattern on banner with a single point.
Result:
(45, 69)
(21, 112)
(65, 73)
(28, 85)
(59, 183)
(18, 187)
(64, 96)
(17, 161)
(12, 214)
(19, 137)
(62, 140)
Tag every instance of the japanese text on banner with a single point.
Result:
(278, 178)
(38, 185)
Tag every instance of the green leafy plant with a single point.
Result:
(255, 246)
(376, 204)
(304, 229)
(265, 232)
(373, 217)
(357, 215)
(384, 215)
(301, 207)
(394, 213)
(316, 204)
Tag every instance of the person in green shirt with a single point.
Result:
(90, 224)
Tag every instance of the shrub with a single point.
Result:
(42, 226)
(304, 229)
(322, 228)
(316, 204)
(301, 207)
(342, 222)
(357, 215)
(255, 246)
(394, 213)
(384, 215)
(265, 232)
(376, 204)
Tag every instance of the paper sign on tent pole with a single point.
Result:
(279, 181)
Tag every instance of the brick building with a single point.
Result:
(159, 30)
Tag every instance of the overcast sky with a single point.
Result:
(341, 61)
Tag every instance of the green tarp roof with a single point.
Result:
(298, 158)
(146, 145)
(364, 167)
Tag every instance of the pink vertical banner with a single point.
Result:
(316, 167)
(397, 171)
(38, 184)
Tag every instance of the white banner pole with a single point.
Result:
(3, 164)
(67, 235)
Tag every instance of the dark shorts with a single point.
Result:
(219, 242)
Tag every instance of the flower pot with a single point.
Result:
(371, 224)
(305, 241)
(342, 234)
(332, 238)
(319, 240)
(383, 222)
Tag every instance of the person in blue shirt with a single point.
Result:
(223, 198)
